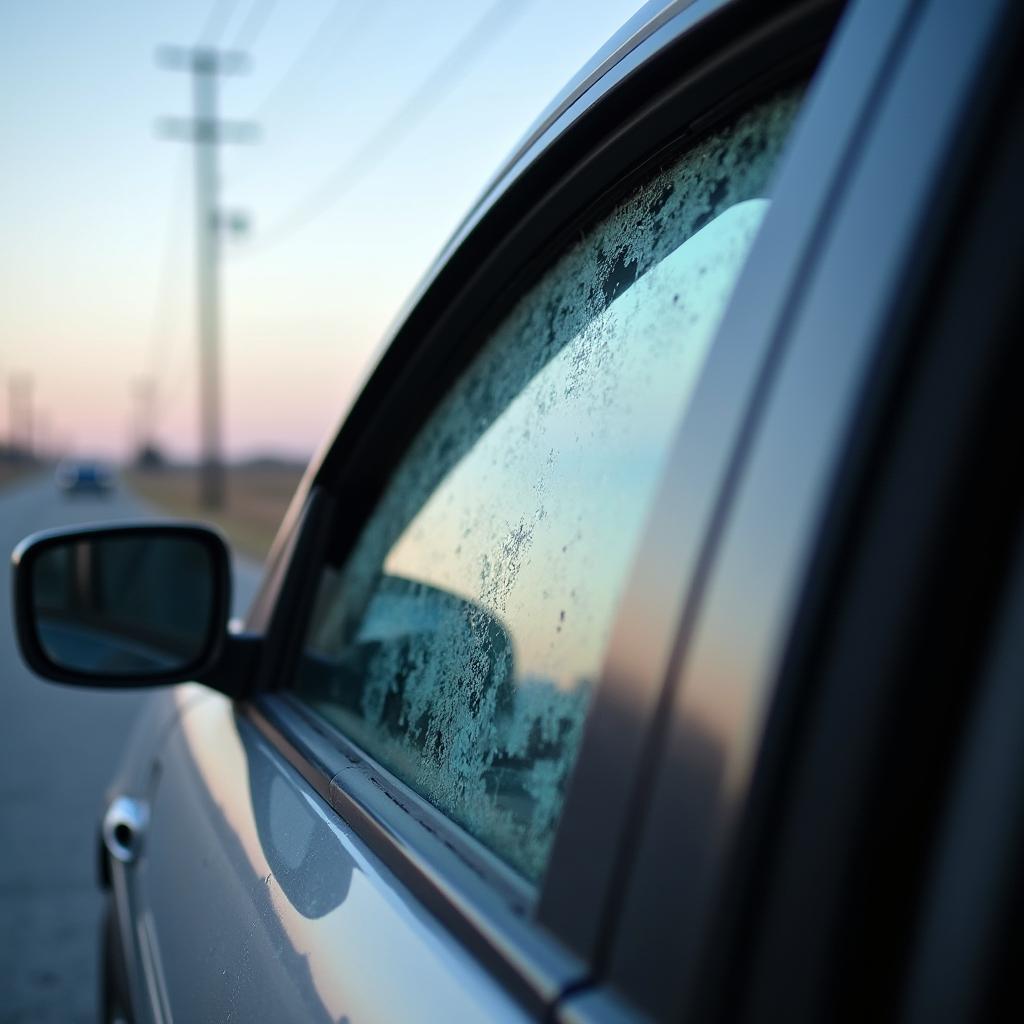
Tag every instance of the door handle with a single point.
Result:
(124, 826)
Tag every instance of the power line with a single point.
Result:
(446, 74)
(321, 40)
(318, 40)
(253, 24)
(216, 22)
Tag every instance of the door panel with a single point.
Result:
(252, 901)
(692, 886)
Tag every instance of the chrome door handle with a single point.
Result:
(124, 826)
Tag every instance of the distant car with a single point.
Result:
(649, 643)
(85, 476)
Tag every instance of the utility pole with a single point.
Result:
(42, 435)
(144, 392)
(19, 411)
(206, 131)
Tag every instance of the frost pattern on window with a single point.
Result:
(461, 643)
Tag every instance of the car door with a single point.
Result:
(835, 648)
(419, 810)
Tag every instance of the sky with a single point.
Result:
(346, 214)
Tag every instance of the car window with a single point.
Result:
(460, 643)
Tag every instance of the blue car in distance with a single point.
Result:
(83, 476)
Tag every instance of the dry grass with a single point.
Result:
(257, 498)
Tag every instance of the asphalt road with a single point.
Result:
(58, 749)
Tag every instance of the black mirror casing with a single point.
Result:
(210, 644)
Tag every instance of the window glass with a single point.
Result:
(460, 643)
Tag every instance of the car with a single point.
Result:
(83, 476)
(647, 643)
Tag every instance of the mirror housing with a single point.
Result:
(129, 606)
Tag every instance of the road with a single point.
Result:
(58, 748)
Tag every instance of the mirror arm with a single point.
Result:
(235, 670)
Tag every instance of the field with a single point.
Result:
(257, 498)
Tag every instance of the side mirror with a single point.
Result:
(118, 606)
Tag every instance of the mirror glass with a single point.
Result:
(125, 606)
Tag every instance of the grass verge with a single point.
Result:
(256, 501)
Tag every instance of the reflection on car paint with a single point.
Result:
(302, 924)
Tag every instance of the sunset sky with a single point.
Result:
(97, 266)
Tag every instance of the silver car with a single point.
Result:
(647, 644)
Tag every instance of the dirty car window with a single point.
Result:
(461, 642)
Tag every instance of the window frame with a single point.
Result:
(567, 176)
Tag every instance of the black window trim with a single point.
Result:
(730, 50)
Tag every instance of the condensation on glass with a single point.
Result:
(461, 643)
